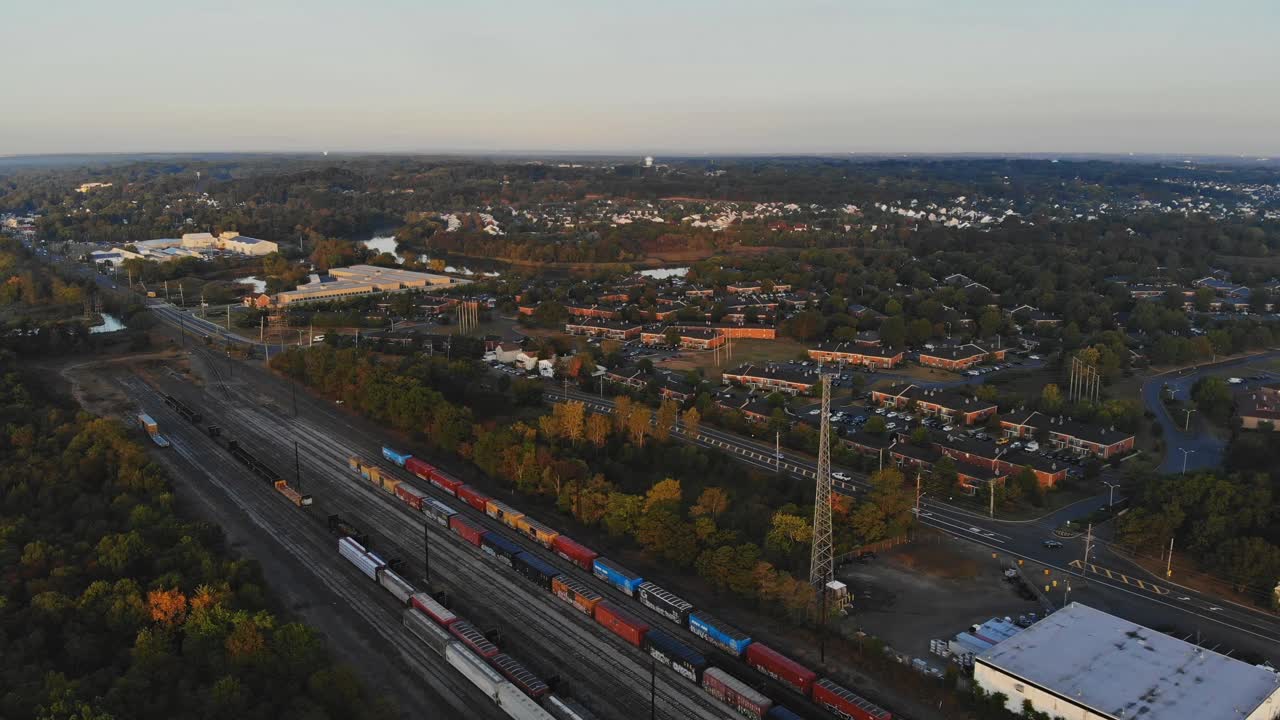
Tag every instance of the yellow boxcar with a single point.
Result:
(374, 476)
(389, 484)
(504, 512)
(537, 531)
(354, 463)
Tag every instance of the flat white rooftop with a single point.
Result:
(1122, 670)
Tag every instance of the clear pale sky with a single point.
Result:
(644, 76)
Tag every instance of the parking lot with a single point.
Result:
(929, 589)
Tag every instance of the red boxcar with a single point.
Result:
(619, 623)
(471, 533)
(419, 468)
(411, 495)
(579, 555)
(735, 693)
(780, 667)
(473, 497)
(847, 703)
(445, 482)
(473, 638)
(432, 608)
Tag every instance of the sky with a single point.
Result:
(641, 76)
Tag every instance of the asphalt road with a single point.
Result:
(1105, 571)
(1201, 449)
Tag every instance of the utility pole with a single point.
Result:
(653, 688)
(1168, 566)
(777, 449)
(1088, 546)
(262, 327)
(182, 295)
(166, 291)
(228, 318)
(918, 496)
(992, 512)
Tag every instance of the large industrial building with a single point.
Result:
(1083, 664)
(363, 280)
(196, 245)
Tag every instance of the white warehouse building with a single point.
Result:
(1083, 664)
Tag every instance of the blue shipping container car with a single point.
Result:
(671, 652)
(722, 635)
(616, 575)
(398, 458)
(501, 548)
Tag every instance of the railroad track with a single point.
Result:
(309, 545)
(624, 687)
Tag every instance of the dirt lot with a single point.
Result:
(744, 351)
(929, 589)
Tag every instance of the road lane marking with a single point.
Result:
(1116, 575)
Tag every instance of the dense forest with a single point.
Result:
(113, 606)
(1224, 520)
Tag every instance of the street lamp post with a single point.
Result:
(895, 442)
(1111, 499)
(1185, 455)
(1186, 420)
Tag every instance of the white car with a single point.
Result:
(1031, 446)
(890, 425)
(1235, 381)
(841, 476)
(1033, 357)
(815, 412)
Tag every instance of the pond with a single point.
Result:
(389, 244)
(110, 323)
(259, 286)
(664, 273)
(384, 244)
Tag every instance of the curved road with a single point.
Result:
(1204, 450)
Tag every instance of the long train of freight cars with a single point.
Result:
(665, 648)
(502, 679)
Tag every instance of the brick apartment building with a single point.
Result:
(612, 329)
(1065, 433)
(691, 338)
(959, 357)
(948, 404)
(852, 353)
(771, 377)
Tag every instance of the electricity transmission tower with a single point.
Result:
(821, 564)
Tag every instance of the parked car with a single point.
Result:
(1032, 446)
(1052, 544)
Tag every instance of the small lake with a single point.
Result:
(110, 323)
(384, 244)
(259, 286)
(665, 273)
(389, 244)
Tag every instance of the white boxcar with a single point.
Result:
(436, 637)
(562, 709)
(475, 669)
(355, 553)
(396, 585)
(518, 705)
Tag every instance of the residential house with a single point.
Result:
(958, 357)
(771, 377)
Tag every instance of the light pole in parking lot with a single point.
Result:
(1186, 419)
(1111, 498)
(1185, 454)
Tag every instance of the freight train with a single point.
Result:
(661, 645)
(502, 678)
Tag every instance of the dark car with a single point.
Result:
(1051, 544)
